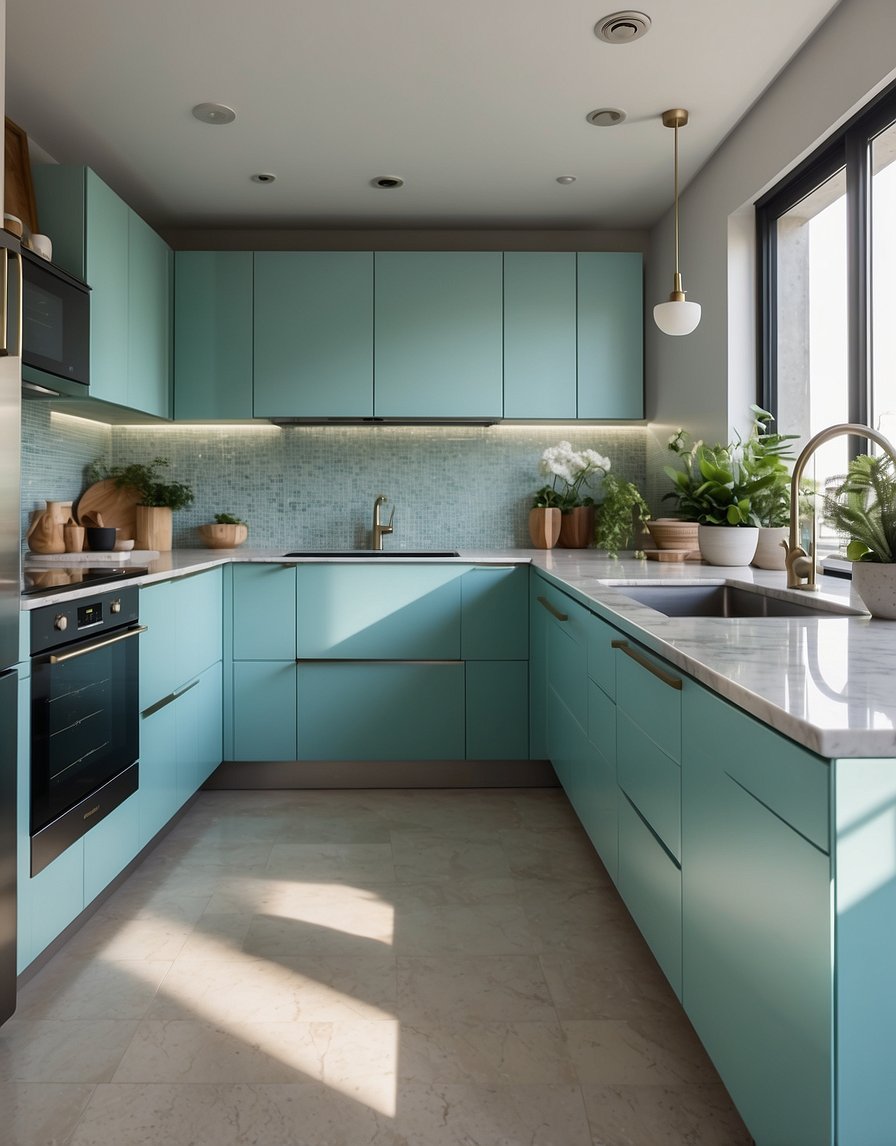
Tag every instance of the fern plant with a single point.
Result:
(621, 508)
(863, 507)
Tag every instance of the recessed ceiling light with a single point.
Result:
(263, 177)
(622, 27)
(566, 179)
(214, 113)
(605, 116)
(387, 182)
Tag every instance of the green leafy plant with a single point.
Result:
(621, 512)
(147, 480)
(228, 519)
(570, 472)
(863, 507)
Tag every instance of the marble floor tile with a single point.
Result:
(484, 1053)
(619, 983)
(71, 987)
(420, 857)
(154, 938)
(479, 930)
(56, 1050)
(618, 1052)
(663, 1116)
(559, 854)
(487, 989)
(41, 1113)
(362, 863)
(215, 935)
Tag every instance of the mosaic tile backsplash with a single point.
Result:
(314, 486)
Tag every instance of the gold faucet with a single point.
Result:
(379, 527)
(801, 568)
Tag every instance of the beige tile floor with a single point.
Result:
(443, 968)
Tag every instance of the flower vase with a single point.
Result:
(577, 527)
(544, 527)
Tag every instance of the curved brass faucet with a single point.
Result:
(379, 526)
(801, 568)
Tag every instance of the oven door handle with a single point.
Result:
(61, 658)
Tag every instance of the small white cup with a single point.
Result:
(42, 245)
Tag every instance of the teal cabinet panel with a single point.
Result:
(60, 194)
(649, 882)
(651, 780)
(264, 612)
(110, 846)
(199, 606)
(497, 710)
(158, 771)
(23, 822)
(540, 334)
(213, 335)
(757, 952)
(313, 334)
(600, 812)
(381, 711)
(106, 267)
(602, 655)
(494, 613)
(149, 319)
(382, 611)
(538, 673)
(208, 714)
(264, 710)
(652, 703)
(610, 335)
(567, 672)
(56, 896)
(158, 673)
(439, 345)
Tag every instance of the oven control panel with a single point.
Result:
(78, 620)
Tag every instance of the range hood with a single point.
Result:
(385, 421)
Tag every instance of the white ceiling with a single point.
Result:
(478, 104)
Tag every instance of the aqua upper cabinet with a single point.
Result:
(610, 335)
(438, 321)
(313, 334)
(97, 237)
(212, 335)
(540, 334)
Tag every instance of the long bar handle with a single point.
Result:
(169, 699)
(550, 608)
(5, 349)
(63, 657)
(666, 678)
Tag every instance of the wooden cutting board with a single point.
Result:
(117, 505)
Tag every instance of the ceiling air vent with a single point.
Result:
(622, 27)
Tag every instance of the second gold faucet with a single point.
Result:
(380, 527)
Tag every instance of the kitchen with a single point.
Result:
(310, 487)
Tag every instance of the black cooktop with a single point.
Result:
(40, 582)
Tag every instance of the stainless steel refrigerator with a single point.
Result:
(10, 561)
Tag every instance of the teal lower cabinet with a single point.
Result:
(756, 901)
(381, 711)
(110, 847)
(264, 710)
(200, 721)
(56, 897)
(158, 771)
(497, 710)
(600, 798)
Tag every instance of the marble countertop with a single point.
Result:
(822, 681)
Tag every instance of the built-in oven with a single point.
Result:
(84, 716)
(55, 330)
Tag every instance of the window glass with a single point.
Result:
(883, 282)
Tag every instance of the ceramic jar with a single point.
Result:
(728, 544)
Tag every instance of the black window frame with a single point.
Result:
(850, 148)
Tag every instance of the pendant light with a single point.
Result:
(677, 316)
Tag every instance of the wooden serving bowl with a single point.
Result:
(223, 536)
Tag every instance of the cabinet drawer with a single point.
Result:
(651, 780)
(784, 776)
(650, 884)
(601, 654)
(264, 612)
(646, 691)
(494, 613)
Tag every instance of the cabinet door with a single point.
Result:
(382, 611)
(600, 793)
(212, 335)
(381, 711)
(158, 673)
(264, 710)
(107, 227)
(610, 335)
(149, 319)
(158, 771)
(264, 612)
(198, 611)
(757, 937)
(110, 846)
(538, 673)
(494, 613)
(199, 719)
(313, 334)
(56, 896)
(497, 710)
(539, 334)
(438, 323)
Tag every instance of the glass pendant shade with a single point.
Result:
(677, 318)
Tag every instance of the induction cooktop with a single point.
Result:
(38, 582)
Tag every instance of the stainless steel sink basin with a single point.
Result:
(366, 554)
(723, 601)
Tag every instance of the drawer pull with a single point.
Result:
(550, 608)
(666, 678)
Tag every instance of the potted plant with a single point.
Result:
(226, 532)
(571, 472)
(621, 513)
(863, 507)
(158, 498)
(767, 454)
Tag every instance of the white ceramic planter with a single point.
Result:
(728, 544)
(770, 553)
(876, 585)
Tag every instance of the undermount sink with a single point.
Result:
(724, 601)
(366, 554)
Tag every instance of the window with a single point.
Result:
(827, 250)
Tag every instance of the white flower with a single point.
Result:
(595, 461)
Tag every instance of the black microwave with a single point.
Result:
(55, 330)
